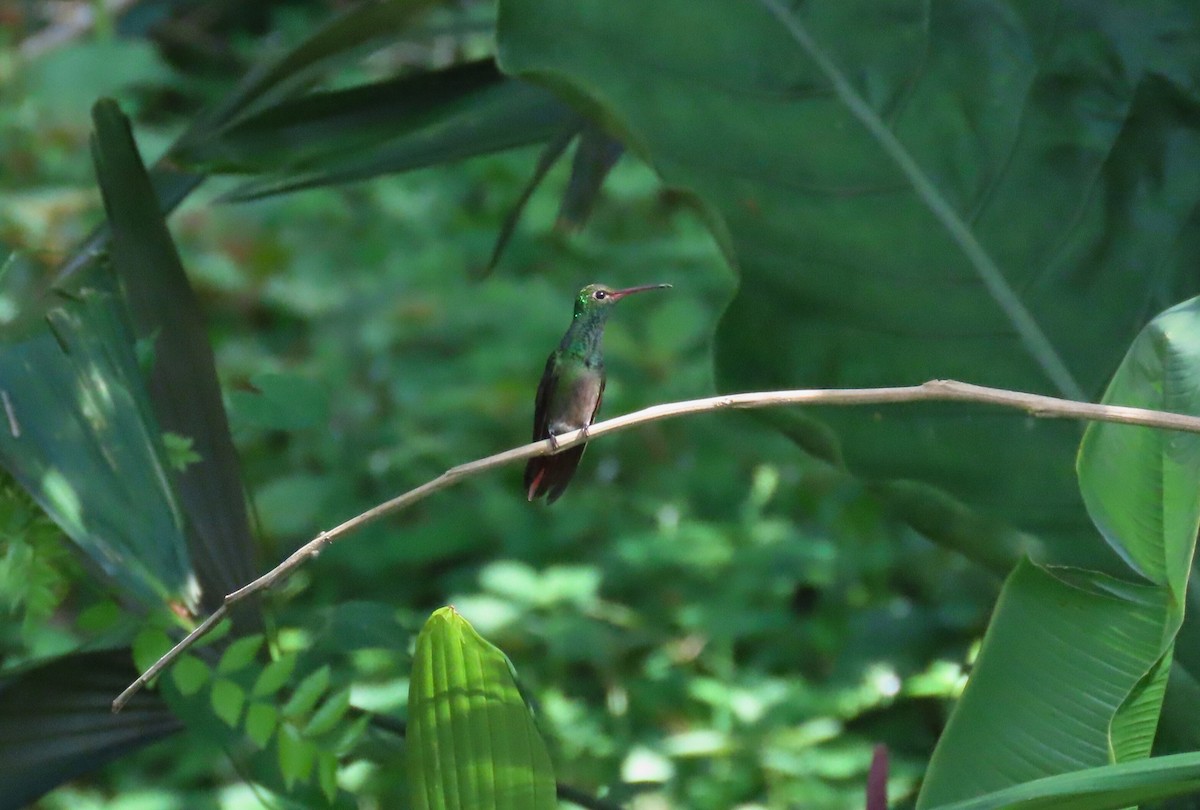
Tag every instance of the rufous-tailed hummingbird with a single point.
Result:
(568, 397)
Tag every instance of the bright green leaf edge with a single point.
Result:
(1109, 786)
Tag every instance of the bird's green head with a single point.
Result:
(599, 298)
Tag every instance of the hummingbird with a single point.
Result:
(568, 397)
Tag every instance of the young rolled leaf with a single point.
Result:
(472, 743)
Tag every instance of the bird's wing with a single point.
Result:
(599, 397)
(542, 401)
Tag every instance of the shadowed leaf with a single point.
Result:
(305, 131)
(492, 117)
(549, 156)
(347, 35)
(183, 382)
(82, 440)
(56, 722)
(594, 158)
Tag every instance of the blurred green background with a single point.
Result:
(707, 615)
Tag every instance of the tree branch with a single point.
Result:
(935, 390)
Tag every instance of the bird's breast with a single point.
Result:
(575, 399)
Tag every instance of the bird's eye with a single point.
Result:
(599, 295)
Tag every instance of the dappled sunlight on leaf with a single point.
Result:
(88, 451)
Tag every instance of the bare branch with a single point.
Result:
(1037, 405)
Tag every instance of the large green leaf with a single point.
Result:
(80, 437)
(994, 191)
(1068, 678)
(1140, 485)
(183, 377)
(56, 722)
(1105, 788)
(472, 743)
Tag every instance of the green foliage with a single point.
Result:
(186, 396)
(296, 755)
(35, 575)
(326, 718)
(150, 645)
(190, 674)
(180, 452)
(296, 736)
(238, 655)
(69, 80)
(227, 701)
(274, 676)
(260, 723)
(709, 617)
(307, 693)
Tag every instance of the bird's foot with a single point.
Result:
(553, 442)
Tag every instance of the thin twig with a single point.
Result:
(935, 390)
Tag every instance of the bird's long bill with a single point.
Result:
(618, 294)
